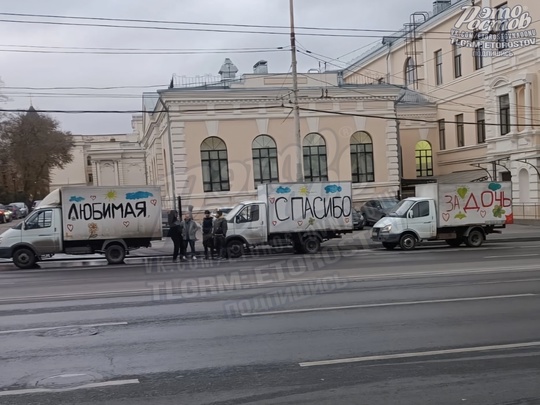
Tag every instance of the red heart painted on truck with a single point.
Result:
(274, 223)
(483, 213)
(300, 223)
(153, 202)
(70, 227)
(93, 197)
(272, 200)
(347, 220)
(446, 216)
(126, 223)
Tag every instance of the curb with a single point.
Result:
(265, 252)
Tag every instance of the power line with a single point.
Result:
(174, 53)
(202, 23)
(198, 29)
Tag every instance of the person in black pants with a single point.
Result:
(220, 233)
(208, 239)
(175, 233)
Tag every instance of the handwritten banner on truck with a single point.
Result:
(121, 212)
(308, 207)
(475, 203)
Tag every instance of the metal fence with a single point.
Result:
(526, 211)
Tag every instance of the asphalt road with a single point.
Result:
(432, 326)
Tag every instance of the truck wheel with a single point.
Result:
(115, 254)
(407, 242)
(311, 245)
(24, 258)
(454, 242)
(235, 249)
(389, 246)
(475, 238)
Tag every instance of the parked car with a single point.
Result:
(22, 208)
(373, 210)
(15, 211)
(35, 204)
(359, 221)
(5, 214)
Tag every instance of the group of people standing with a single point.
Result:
(184, 234)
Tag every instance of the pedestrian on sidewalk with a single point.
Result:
(220, 233)
(190, 234)
(208, 239)
(176, 234)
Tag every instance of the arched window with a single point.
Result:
(410, 72)
(315, 160)
(265, 161)
(215, 166)
(362, 158)
(89, 160)
(524, 186)
(424, 159)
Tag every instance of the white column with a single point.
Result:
(528, 106)
(97, 179)
(117, 173)
(513, 110)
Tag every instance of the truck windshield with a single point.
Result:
(401, 209)
(231, 214)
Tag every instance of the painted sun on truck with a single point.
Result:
(455, 213)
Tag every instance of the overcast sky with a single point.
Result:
(38, 70)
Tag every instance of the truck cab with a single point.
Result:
(246, 226)
(40, 234)
(413, 216)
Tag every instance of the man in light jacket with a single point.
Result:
(190, 234)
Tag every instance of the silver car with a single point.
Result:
(23, 209)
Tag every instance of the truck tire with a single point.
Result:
(389, 246)
(475, 238)
(311, 245)
(407, 241)
(115, 254)
(454, 242)
(24, 258)
(235, 249)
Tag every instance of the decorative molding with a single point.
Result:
(262, 125)
(313, 124)
(212, 128)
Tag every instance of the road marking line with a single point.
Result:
(419, 354)
(5, 332)
(511, 256)
(387, 304)
(81, 387)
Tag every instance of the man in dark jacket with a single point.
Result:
(220, 232)
(208, 238)
(175, 233)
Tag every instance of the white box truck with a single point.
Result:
(301, 215)
(457, 213)
(86, 220)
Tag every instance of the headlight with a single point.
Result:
(387, 228)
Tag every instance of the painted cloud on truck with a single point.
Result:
(139, 195)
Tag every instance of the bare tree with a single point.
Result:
(34, 145)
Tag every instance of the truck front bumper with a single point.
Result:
(378, 236)
(5, 252)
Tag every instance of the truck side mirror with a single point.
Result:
(410, 214)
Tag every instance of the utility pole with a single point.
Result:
(171, 156)
(298, 135)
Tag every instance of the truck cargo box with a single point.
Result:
(110, 212)
(483, 203)
(305, 207)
